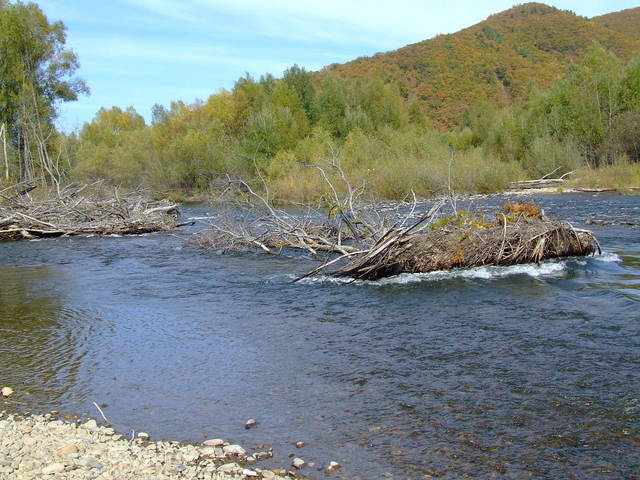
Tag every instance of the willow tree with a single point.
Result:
(36, 72)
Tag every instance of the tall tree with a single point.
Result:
(36, 72)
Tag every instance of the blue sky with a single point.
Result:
(141, 52)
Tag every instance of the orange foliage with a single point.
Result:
(529, 209)
(494, 60)
(625, 21)
(458, 257)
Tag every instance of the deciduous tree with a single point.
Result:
(36, 73)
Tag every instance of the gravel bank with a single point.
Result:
(42, 447)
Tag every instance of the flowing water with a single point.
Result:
(519, 372)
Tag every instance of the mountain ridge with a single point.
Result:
(496, 60)
(625, 21)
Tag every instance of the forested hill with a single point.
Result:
(624, 21)
(495, 60)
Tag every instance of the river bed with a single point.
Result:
(518, 372)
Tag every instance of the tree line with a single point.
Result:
(274, 130)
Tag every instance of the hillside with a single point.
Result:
(495, 60)
(624, 21)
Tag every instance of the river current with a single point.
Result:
(517, 373)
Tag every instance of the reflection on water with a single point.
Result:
(518, 372)
(40, 350)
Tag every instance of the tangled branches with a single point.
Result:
(76, 210)
(529, 240)
(372, 244)
(341, 223)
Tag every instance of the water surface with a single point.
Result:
(519, 372)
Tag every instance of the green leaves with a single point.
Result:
(35, 73)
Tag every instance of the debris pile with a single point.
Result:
(75, 211)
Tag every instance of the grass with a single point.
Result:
(622, 177)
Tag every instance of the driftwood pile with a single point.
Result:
(372, 244)
(75, 211)
(520, 233)
(543, 182)
(523, 241)
(248, 220)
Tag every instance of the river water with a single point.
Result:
(519, 372)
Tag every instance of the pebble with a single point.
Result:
(30, 445)
(298, 463)
(88, 462)
(332, 467)
(143, 436)
(208, 452)
(301, 444)
(252, 422)
(53, 468)
(7, 391)
(67, 449)
(234, 450)
(90, 425)
(262, 455)
(229, 468)
(190, 457)
(214, 442)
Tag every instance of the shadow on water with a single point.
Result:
(519, 372)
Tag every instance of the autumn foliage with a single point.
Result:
(459, 112)
(496, 60)
(528, 209)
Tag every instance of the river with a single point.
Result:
(516, 373)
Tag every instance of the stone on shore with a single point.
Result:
(7, 391)
(230, 468)
(35, 447)
(68, 449)
(210, 452)
(234, 450)
(90, 425)
(214, 442)
(332, 467)
(53, 468)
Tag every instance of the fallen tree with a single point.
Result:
(81, 210)
(543, 182)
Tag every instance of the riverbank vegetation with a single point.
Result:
(274, 132)
(279, 129)
(36, 72)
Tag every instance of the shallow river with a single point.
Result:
(520, 372)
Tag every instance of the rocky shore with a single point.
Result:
(44, 447)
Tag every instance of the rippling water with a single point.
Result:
(518, 372)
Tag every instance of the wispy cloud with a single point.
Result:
(178, 11)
